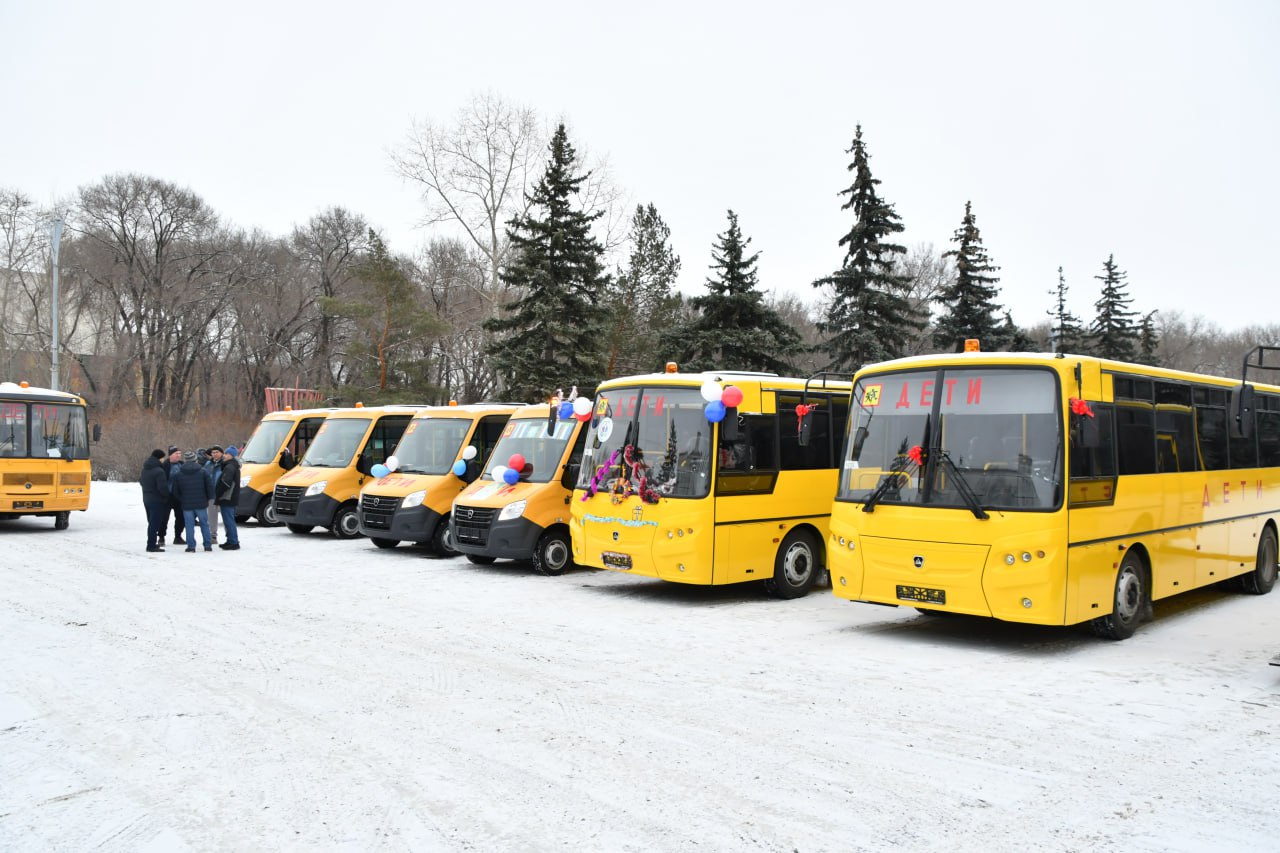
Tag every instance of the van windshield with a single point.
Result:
(336, 443)
(542, 453)
(265, 441)
(431, 445)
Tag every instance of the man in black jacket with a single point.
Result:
(171, 465)
(155, 499)
(193, 488)
(227, 488)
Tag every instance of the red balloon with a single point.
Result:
(584, 417)
(516, 461)
(731, 396)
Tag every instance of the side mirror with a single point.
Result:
(806, 426)
(363, 465)
(729, 426)
(287, 462)
(570, 477)
(97, 433)
(1241, 421)
(859, 439)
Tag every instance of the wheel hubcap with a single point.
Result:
(269, 514)
(349, 525)
(797, 565)
(555, 555)
(1128, 595)
(1267, 561)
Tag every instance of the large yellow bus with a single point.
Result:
(700, 478)
(44, 453)
(275, 447)
(1053, 489)
(524, 515)
(324, 489)
(412, 502)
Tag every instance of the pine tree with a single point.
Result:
(1065, 330)
(642, 297)
(733, 328)
(1148, 340)
(970, 307)
(870, 317)
(1113, 332)
(552, 331)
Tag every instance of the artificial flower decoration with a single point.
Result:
(1080, 407)
(916, 454)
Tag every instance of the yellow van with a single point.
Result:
(527, 520)
(323, 490)
(274, 448)
(411, 504)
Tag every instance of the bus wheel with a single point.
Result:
(480, 559)
(795, 567)
(384, 543)
(346, 522)
(1263, 577)
(1129, 603)
(442, 538)
(62, 521)
(267, 513)
(553, 554)
(299, 528)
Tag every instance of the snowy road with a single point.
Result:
(305, 693)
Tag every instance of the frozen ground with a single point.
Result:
(309, 694)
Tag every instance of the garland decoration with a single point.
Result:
(598, 477)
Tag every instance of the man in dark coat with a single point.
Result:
(155, 499)
(171, 465)
(193, 489)
(227, 488)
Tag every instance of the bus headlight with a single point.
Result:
(413, 499)
(515, 509)
(317, 487)
(244, 481)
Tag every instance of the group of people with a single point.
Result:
(189, 485)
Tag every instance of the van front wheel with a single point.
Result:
(553, 554)
(346, 522)
(442, 538)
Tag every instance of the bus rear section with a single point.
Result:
(524, 515)
(412, 502)
(323, 490)
(44, 453)
(280, 440)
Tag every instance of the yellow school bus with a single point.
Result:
(44, 453)
(1053, 489)
(323, 490)
(679, 485)
(412, 503)
(527, 519)
(275, 447)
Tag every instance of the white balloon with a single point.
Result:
(582, 406)
(469, 452)
(711, 391)
(497, 472)
(392, 463)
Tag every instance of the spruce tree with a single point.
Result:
(552, 332)
(870, 317)
(969, 300)
(642, 298)
(1065, 330)
(1113, 332)
(1148, 340)
(733, 328)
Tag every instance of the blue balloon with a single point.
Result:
(566, 410)
(380, 470)
(715, 411)
(511, 476)
(459, 467)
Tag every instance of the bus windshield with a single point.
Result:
(266, 440)
(56, 431)
(529, 438)
(988, 438)
(660, 433)
(336, 443)
(430, 445)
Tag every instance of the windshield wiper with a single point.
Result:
(962, 486)
(896, 473)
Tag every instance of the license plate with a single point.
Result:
(615, 560)
(922, 593)
(28, 504)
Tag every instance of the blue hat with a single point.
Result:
(231, 450)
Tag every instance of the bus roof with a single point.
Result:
(468, 410)
(294, 414)
(22, 391)
(729, 377)
(374, 411)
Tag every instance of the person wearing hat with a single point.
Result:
(171, 464)
(193, 488)
(213, 464)
(155, 499)
(227, 489)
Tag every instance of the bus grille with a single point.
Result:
(471, 524)
(376, 511)
(287, 497)
(33, 479)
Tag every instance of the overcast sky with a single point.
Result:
(1147, 130)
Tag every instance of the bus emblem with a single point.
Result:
(918, 561)
(615, 536)
(637, 514)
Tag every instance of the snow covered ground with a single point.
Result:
(306, 693)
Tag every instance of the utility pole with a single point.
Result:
(57, 241)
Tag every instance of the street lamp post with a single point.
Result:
(57, 241)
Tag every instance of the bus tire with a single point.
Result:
(384, 543)
(1263, 577)
(553, 555)
(267, 512)
(480, 559)
(442, 538)
(62, 521)
(299, 528)
(1129, 601)
(796, 566)
(346, 522)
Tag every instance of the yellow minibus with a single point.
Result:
(275, 447)
(44, 453)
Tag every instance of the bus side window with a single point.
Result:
(1088, 462)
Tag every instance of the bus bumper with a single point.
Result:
(313, 511)
(250, 500)
(415, 524)
(507, 540)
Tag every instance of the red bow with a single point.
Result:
(801, 411)
(916, 455)
(1080, 407)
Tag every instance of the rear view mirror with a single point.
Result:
(805, 415)
(729, 426)
(97, 433)
(1241, 420)
(363, 465)
(859, 439)
(287, 462)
